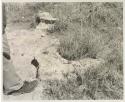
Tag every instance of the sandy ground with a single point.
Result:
(27, 44)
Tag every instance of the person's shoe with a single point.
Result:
(26, 88)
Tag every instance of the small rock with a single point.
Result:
(46, 52)
(22, 54)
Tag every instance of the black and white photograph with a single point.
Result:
(62, 51)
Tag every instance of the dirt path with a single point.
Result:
(27, 44)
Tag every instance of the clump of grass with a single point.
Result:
(60, 26)
(104, 83)
(75, 45)
(72, 46)
(97, 83)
